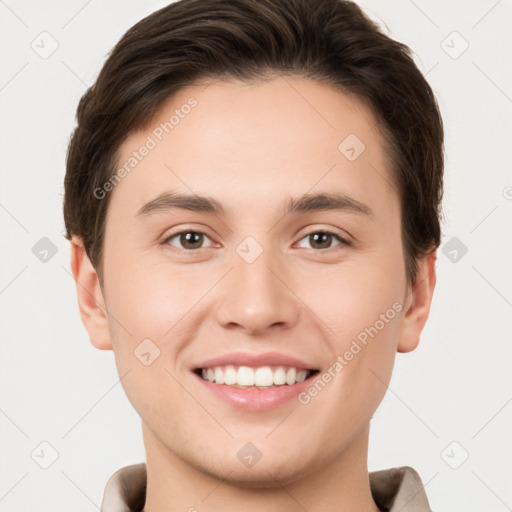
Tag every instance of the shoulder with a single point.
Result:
(394, 488)
(125, 490)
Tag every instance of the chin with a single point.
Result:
(265, 474)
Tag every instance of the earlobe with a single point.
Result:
(418, 304)
(90, 296)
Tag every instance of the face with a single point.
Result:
(285, 263)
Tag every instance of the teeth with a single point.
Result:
(245, 376)
(219, 375)
(230, 375)
(279, 376)
(290, 376)
(301, 376)
(262, 377)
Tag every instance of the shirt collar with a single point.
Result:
(397, 489)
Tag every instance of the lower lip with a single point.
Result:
(252, 399)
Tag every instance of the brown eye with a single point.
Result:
(189, 240)
(323, 240)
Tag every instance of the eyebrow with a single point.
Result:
(303, 204)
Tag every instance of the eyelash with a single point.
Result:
(343, 241)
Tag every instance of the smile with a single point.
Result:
(263, 377)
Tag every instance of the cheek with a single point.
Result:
(148, 309)
(361, 310)
(364, 321)
(353, 298)
(148, 298)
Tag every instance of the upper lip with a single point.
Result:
(255, 360)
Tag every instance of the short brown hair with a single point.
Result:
(331, 41)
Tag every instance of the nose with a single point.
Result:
(255, 297)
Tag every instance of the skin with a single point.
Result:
(251, 147)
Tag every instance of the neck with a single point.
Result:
(339, 484)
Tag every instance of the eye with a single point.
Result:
(189, 240)
(323, 239)
(193, 240)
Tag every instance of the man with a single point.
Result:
(252, 197)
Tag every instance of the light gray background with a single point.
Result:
(56, 388)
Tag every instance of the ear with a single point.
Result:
(90, 296)
(417, 304)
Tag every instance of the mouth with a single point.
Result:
(253, 381)
(262, 377)
(254, 389)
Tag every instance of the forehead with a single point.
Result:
(256, 140)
